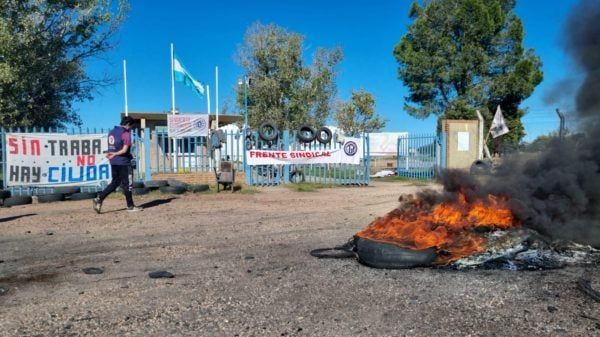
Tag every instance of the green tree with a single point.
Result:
(283, 89)
(43, 49)
(462, 55)
(358, 115)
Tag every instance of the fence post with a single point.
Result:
(286, 168)
(247, 172)
(368, 161)
(147, 159)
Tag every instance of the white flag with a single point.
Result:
(498, 127)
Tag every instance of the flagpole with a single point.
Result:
(172, 82)
(217, 94)
(125, 86)
(208, 98)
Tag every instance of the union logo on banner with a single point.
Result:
(187, 125)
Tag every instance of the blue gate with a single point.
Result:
(330, 174)
(418, 156)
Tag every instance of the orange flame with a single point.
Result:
(451, 227)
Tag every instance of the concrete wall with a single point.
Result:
(462, 142)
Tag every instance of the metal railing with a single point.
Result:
(418, 156)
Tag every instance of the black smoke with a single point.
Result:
(557, 192)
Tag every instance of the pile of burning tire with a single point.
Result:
(66, 193)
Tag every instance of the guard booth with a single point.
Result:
(462, 143)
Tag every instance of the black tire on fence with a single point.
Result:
(154, 184)
(198, 188)
(297, 177)
(388, 256)
(66, 190)
(173, 189)
(306, 133)
(83, 196)
(140, 190)
(44, 198)
(324, 135)
(4, 194)
(16, 201)
(174, 182)
(138, 184)
(268, 132)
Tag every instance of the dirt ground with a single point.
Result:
(243, 268)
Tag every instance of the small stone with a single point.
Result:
(116, 261)
(299, 329)
(49, 233)
(249, 271)
(81, 292)
(93, 270)
(552, 309)
(3, 291)
(597, 326)
(1, 261)
(160, 274)
(28, 232)
(248, 257)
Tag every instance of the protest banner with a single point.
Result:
(187, 126)
(350, 153)
(54, 159)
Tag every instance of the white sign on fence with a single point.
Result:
(350, 153)
(54, 159)
(187, 125)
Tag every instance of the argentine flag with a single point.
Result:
(182, 75)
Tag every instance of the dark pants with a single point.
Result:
(122, 175)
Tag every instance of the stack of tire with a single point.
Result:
(65, 193)
(170, 186)
(8, 200)
(306, 134)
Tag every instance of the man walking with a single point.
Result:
(119, 154)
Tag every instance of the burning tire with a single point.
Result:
(83, 196)
(44, 198)
(481, 167)
(388, 256)
(173, 189)
(16, 201)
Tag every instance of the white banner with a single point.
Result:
(51, 159)
(350, 153)
(187, 125)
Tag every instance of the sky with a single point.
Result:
(206, 34)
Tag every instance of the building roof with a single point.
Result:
(162, 116)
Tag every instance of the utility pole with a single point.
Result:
(561, 130)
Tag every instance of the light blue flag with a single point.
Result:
(182, 75)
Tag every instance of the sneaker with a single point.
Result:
(97, 205)
(134, 209)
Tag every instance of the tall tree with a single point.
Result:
(462, 55)
(283, 89)
(358, 115)
(43, 48)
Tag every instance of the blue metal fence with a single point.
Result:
(418, 156)
(330, 174)
(193, 154)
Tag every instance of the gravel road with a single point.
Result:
(242, 268)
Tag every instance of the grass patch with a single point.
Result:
(248, 190)
(306, 187)
(412, 181)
